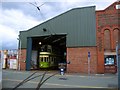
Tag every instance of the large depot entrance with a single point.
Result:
(47, 52)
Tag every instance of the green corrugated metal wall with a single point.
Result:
(79, 24)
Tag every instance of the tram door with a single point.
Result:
(51, 61)
(110, 64)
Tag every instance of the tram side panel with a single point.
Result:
(49, 57)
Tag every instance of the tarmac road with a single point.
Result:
(11, 78)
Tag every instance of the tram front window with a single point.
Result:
(45, 59)
(46, 48)
(41, 59)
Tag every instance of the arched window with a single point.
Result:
(116, 36)
(107, 44)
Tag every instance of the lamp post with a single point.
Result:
(0, 59)
(118, 65)
(1, 62)
(88, 62)
(117, 55)
(19, 57)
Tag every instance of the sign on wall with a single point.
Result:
(88, 54)
(13, 64)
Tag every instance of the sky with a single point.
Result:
(21, 15)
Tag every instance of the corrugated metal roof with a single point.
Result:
(78, 24)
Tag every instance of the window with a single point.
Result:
(116, 36)
(45, 59)
(109, 60)
(117, 6)
(41, 59)
(49, 48)
(107, 42)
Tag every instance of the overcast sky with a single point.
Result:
(20, 15)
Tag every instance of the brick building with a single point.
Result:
(85, 37)
(108, 35)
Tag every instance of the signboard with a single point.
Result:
(88, 63)
(88, 54)
(13, 64)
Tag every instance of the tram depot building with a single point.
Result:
(82, 38)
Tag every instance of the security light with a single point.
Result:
(44, 29)
(40, 43)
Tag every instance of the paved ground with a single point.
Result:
(11, 78)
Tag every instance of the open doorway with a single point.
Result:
(48, 52)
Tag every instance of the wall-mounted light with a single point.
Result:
(40, 43)
(44, 29)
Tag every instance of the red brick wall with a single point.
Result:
(78, 58)
(106, 20)
(22, 59)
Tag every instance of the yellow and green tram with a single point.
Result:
(48, 60)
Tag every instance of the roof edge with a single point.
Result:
(58, 16)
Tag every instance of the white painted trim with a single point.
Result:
(109, 53)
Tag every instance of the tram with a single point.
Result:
(48, 59)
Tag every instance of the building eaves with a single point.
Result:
(58, 16)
